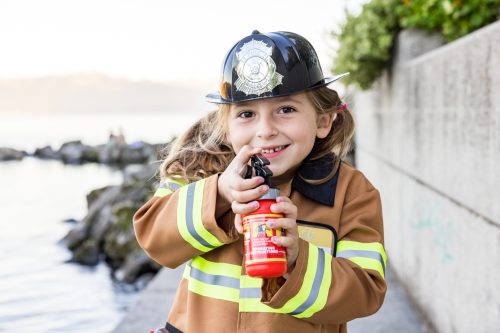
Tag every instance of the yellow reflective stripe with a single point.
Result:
(189, 218)
(210, 290)
(161, 192)
(181, 222)
(185, 274)
(345, 245)
(168, 187)
(366, 255)
(368, 263)
(197, 214)
(216, 267)
(307, 283)
(250, 282)
(320, 302)
(250, 295)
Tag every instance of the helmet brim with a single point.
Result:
(217, 98)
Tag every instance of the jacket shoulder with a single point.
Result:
(353, 182)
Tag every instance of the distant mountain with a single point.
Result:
(97, 93)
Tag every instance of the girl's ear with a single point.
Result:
(325, 122)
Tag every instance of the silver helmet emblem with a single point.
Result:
(256, 69)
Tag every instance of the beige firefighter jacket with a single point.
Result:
(338, 276)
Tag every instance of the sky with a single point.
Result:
(153, 40)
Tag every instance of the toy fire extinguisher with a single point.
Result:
(263, 258)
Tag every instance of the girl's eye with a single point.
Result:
(245, 114)
(287, 109)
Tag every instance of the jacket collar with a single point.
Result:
(317, 169)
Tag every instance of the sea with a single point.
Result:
(39, 290)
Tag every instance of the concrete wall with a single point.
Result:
(428, 136)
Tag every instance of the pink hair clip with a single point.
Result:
(342, 108)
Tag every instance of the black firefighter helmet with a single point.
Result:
(265, 65)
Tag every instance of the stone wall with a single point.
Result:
(428, 136)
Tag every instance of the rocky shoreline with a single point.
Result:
(75, 152)
(106, 233)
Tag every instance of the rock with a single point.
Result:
(106, 197)
(136, 265)
(9, 154)
(139, 173)
(100, 224)
(107, 231)
(87, 254)
(72, 152)
(70, 220)
(75, 237)
(91, 154)
(120, 239)
(47, 153)
(137, 153)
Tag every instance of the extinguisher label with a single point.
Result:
(258, 244)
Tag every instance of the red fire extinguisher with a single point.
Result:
(263, 258)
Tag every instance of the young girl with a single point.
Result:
(273, 101)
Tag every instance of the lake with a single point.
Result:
(39, 291)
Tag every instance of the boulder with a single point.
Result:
(72, 152)
(47, 153)
(136, 265)
(9, 154)
(88, 253)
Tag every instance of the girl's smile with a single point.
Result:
(273, 151)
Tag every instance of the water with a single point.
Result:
(39, 292)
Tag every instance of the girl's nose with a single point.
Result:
(266, 128)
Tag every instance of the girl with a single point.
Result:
(273, 101)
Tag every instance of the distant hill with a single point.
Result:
(97, 93)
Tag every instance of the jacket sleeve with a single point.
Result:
(178, 222)
(332, 290)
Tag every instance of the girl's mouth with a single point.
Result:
(274, 151)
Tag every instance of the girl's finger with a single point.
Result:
(250, 195)
(238, 224)
(244, 155)
(247, 184)
(285, 241)
(244, 208)
(285, 207)
(290, 225)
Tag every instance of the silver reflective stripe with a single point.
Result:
(189, 217)
(250, 293)
(318, 278)
(363, 254)
(170, 186)
(219, 280)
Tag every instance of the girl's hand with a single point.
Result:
(286, 207)
(236, 192)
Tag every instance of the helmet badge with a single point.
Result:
(256, 69)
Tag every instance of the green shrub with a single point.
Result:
(366, 40)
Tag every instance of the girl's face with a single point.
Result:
(284, 127)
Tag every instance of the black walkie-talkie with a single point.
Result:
(259, 168)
